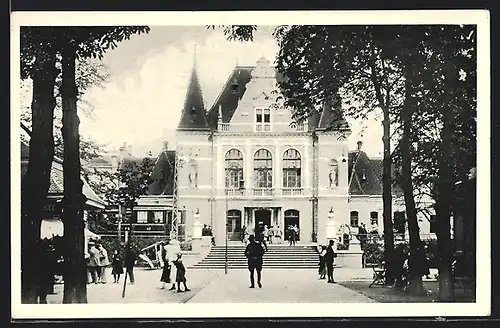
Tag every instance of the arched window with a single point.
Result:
(263, 169)
(354, 219)
(291, 169)
(234, 168)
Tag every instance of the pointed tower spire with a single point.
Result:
(193, 115)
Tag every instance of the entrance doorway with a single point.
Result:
(291, 219)
(262, 218)
(233, 225)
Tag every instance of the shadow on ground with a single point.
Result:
(385, 294)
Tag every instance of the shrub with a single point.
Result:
(373, 252)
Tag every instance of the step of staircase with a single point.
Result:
(277, 256)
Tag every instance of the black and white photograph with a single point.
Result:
(312, 164)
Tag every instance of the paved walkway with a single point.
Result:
(279, 286)
(145, 289)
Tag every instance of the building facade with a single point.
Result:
(245, 162)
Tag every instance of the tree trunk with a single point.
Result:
(36, 182)
(75, 276)
(386, 176)
(443, 211)
(387, 199)
(416, 260)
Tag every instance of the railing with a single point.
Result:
(224, 127)
(235, 192)
(263, 127)
(262, 192)
(292, 191)
(301, 127)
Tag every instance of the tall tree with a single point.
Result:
(134, 179)
(38, 62)
(79, 42)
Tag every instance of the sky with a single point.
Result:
(142, 101)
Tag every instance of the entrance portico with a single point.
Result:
(257, 217)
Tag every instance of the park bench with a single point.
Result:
(378, 274)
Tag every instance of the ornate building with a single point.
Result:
(244, 162)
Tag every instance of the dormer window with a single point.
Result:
(363, 176)
(193, 110)
(234, 86)
(262, 119)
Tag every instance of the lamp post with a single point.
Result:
(227, 209)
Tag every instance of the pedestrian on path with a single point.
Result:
(165, 275)
(103, 263)
(181, 274)
(254, 253)
(322, 264)
(293, 235)
(330, 256)
(130, 259)
(93, 262)
(117, 266)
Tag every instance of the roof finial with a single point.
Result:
(194, 56)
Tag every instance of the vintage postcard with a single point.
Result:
(250, 164)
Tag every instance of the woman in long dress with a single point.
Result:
(165, 274)
(117, 265)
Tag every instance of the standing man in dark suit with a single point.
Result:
(329, 259)
(130, 259)
(254, 253)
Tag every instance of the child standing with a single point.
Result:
(181, 274)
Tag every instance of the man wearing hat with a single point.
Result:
(93, 261)
(254, 253)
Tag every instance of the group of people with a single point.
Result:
(293, 232)
(98, 261)
(168, 260)
(271, 235)
(206, 230)
(327, 257)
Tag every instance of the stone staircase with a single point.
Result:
(277, 257)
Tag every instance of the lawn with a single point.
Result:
(385, 294)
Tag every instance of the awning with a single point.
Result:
(51, 228)
(55, 227)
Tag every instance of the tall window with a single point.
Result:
(374, 218)
(291, 169)
(142, 217)
(262, 119)
(263, 169)
(234, 168)
(354, 219)
(400, 222)
(432, 224)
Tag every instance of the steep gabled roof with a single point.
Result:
(231, 93)
(367, 177)
(228, 99)
(163, 174)
(193, 116)
(235, 88)
(332, 116)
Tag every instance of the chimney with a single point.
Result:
(165, 145)
(360, 144)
